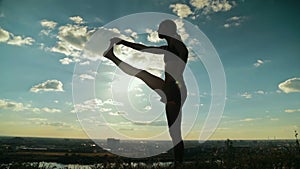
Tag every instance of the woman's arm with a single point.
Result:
(135, 46)
(140, 47)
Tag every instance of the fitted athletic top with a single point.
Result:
(175, 61)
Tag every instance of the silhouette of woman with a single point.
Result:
(172, 89)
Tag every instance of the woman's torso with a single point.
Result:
(175, 61)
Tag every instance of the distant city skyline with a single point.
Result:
(258, 43)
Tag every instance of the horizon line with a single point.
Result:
(73, 138)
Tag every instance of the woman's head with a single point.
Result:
(167, 28)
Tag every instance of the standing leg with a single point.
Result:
(174, 117)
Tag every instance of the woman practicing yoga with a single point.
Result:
(172, 88)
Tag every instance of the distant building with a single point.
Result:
(113, 143)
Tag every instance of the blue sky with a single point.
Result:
(258, 43)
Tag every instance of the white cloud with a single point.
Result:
(45, 32)
(65, 61)
(260, 92)
(4, 35)
(116, 113)
(89, 105)
(131, 33)
(84, 63)
(258, 63)
(49, 85)
(134, 35)
(140, 95)
(234, 18)
(50, 110)
(199, 4)
(17, 106)
(104, 109)
(246, 95)
(226, 25)
(12, 105)
(37, 119)
(217, 6)
(92, 53)
(72, 39)
(153, 36)
(290, 85)
(234, 21)
(181, 29)
(247, 120)
(64, 48)
(19, 41)
(11, 39)
(48, 24)
(74, 35)
(147, 108)
(45, 109)
(292, 110)
(96, 105)
(115, 30)
(210, 6)
(182, 10)
(151, 123)
(86, 77)
(35, 109)
(112, 102)
(55, 124)
(77, 19)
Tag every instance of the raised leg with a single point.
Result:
(152, 81)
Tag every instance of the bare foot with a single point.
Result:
(109, 51)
